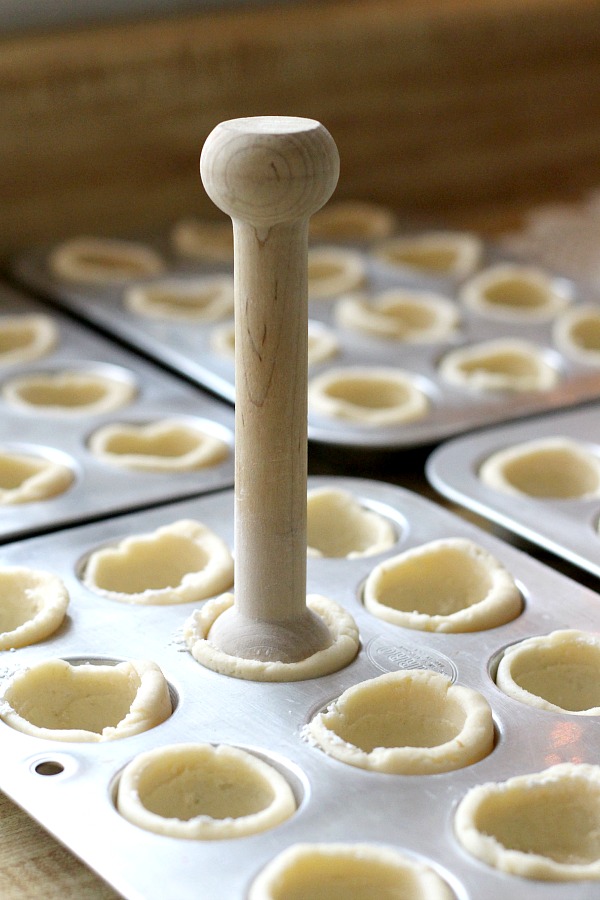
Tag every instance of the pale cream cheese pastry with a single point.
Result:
(26, 337)
(33, 605)
(104, 261)
(367, 396)
(31, 478)
(339, 527)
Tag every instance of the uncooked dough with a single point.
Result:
(333, 271)
(352, 221)
(72, 393)
(559, 672)
(338, 526)
(27, 478)
(205, 241)
(503, 364)
(347, 872)
(372, 396)
(439, 254)
(168, 445)
(447, 585)
(183, 562)
(341, 651)
(203, 792)
(94, 260)
(33, 604)
(544, 826)
(512, 291)
(399, 314)
(205, 299)
(547, 468)
(26, 337)
(57, 701)
(412, 722)
(577, 334)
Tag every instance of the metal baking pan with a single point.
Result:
(100, 489)
(454, 410)
(412, 813)
(567, 528)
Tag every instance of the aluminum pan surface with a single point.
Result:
(414, 813)
(454, 410)
(100, 489)
(568, 528)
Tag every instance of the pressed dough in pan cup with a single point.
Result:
(351, 221)
(437, 254)
(88, 702)
(182, 562)
(203, 792)
(31, 477)
(501, 364)
(164, 445)
(26, 337)
(85, 391)
(103, 261)
(206, 298)
(558, 672)
(369, 396)
(517, 292)
(543, 826)
(338, 526)
(401, 314)
(548, 468)
(33, 605)
(411, 722)
(345, 871)
(449, 585)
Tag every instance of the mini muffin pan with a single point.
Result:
(567, 527)
(453, 409)
(71, 788)
(100, 489)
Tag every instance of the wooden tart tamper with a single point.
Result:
(270, 174)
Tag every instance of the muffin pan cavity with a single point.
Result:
(92, 702)
(339, 527)
(95, 430)
(347, 872)
(456, 316)
(401, 692)
(194, 299)
(204, 792)
(558, 672)
(24, 337)
(406, 723)
(538, 479)
(94, 260)
(33, 605)
(543, 826)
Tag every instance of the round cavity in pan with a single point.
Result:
(400, 314)
(518, 292)
(340, 526)
(30, 473)
(103, 261)
(502, 364)
(369, 396)
(33, 605)
(80, 390)
(206, 298)
(25, 337)
(438, 254)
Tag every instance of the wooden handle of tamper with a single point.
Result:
(270, 174)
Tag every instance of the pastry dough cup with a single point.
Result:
(69, 393)
(448, 585)
(206, 299)
(369, 396)
(183, 562)
(341, 651)
(577, 334)
(559, 672)
(412, 722)
(510, 291)
(94, 260)
(27, 478)
(339, 527)
(554, 468)
(333, 271)
(57, 701)
(33, 605)
(203, 792)
(204, 240)
(416, 317)
(26, 337)
(352, 220)
(168, 445)
(347, 872)
(504, 364)
(544, 826)
(441, 254)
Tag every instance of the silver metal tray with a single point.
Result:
(187, 349)
(100, 489)
(568, 528)
(337, 802)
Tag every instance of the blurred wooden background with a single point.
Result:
(436, 107)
